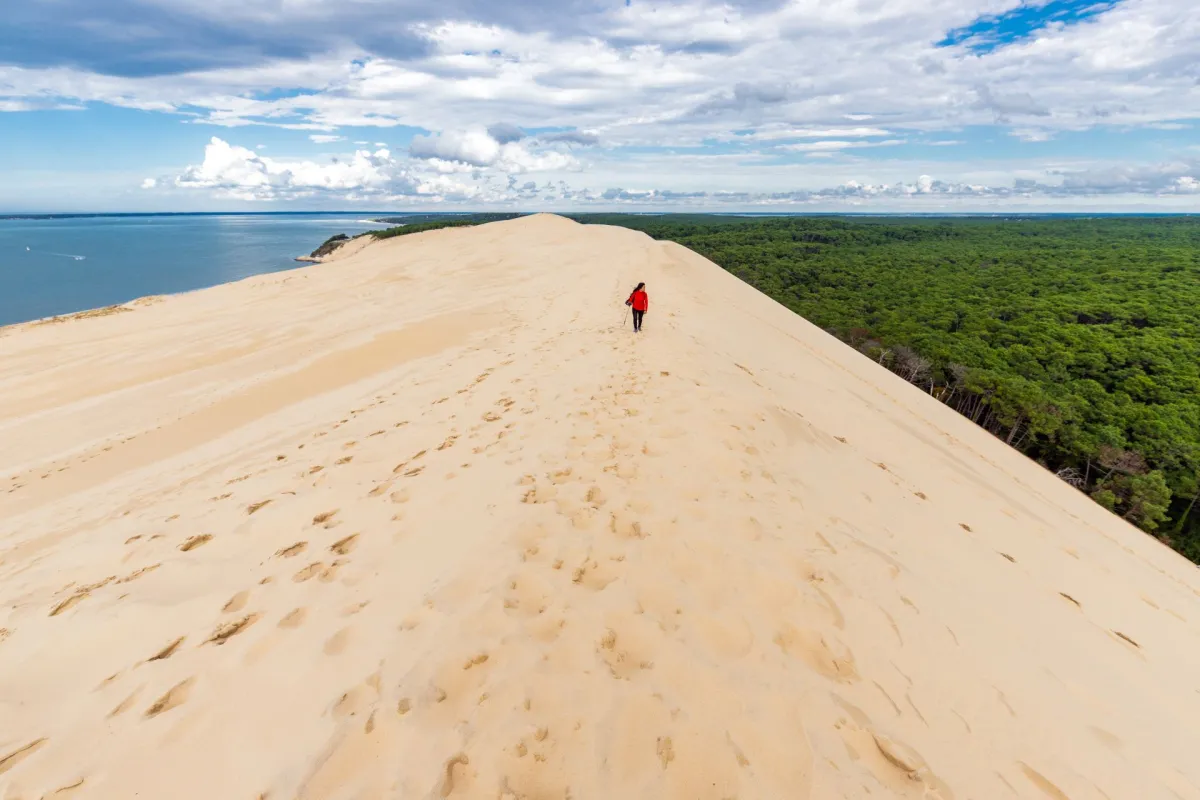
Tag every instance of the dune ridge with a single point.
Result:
(425, 520)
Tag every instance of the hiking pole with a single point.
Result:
(626, 317)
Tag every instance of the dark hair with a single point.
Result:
(639, 287)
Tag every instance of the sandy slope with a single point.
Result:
(426, 521)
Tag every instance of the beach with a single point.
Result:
(429, 520)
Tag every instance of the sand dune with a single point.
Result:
(426, 521)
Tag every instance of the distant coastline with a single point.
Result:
(402, 226)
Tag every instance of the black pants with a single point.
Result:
(637, 319)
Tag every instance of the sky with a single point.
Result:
(920, 106)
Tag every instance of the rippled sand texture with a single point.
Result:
(426, 521)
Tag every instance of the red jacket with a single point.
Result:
(640, 301)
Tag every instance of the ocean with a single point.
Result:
(67, 264)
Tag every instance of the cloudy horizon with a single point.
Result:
(759, 105)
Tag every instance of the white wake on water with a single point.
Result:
(60, 255)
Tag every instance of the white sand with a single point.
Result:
(511, 551)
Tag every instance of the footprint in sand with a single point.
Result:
(294, 618)
(330, 572)
(168, 651)
(79, 595)
(133, 576)
(1127, 640)
(308, 572)
(380, 489)
(20, 754)
(325, 518)
(344, 546)
(237, 602)
(894, 764)
(227, 631)
(1042, 782)
(176, 696)
(824, 654)
(336, 644)
(195, 541)
(126, 704)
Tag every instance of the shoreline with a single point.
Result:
(141, 300)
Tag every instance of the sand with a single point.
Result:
(427, 521)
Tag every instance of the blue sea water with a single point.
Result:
(59, 266)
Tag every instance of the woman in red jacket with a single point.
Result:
(640, 302)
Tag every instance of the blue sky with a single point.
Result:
(894, 105)
(1021, 22)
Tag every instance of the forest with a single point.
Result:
(1074, 340)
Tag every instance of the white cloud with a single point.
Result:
(1032, 134)
(813, 86)
(230, 171)
(770, 133)
(473, 146)
(638, 74)
(238, 172)
(149, 183)
(476, 147)
(833, 144)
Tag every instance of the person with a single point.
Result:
(639, 301)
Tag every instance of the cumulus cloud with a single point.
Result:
(244, 174)
(149, 183)
(324, 138)
(477, 147)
